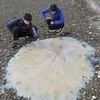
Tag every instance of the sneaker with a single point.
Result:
(59, 30)
(50, 31)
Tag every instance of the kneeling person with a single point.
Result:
(22, 27)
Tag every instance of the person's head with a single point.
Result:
(27, 18)
(53, 8)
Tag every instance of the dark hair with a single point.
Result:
(28, 17)
(53, 7)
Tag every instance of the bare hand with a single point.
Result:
(51, 22)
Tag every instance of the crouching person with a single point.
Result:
(56, 19)
(22, 27)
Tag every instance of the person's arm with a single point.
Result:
(61, 18)
(11, 24)
(33, 30)
(44, 12)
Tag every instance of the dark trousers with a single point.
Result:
(19, 33)
(55, 27)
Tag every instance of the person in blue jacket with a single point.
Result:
(22, 27)
(56, 17)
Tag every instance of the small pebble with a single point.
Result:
(91, 38)
(90, 27)
(88, 41)
(97, 51)
(90, 24)
(98, 76)
(90, 32)
(97, 33)
(73, 24)
(93, 98)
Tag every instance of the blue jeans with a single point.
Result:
(55, 27)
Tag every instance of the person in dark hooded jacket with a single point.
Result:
(22, 27)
